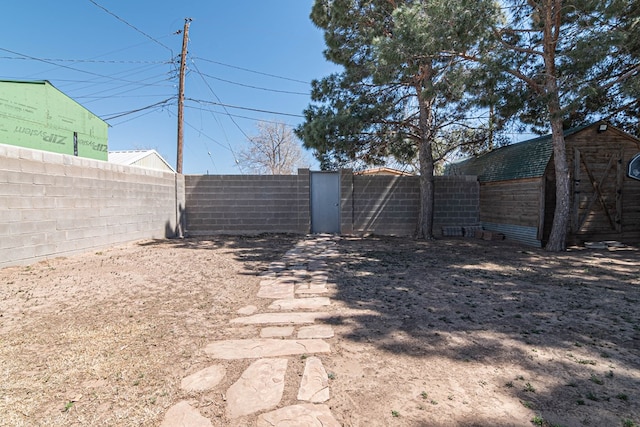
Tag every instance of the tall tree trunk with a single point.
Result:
(425, 214)
(425, 155)
(558, 237)
(553, 20)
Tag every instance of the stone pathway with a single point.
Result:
(297, 284)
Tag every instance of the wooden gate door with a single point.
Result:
(597, 195)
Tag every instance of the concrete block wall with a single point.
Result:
(247, 203)
(389, 205)
(346, 201)
(53, 205)
(457, 202)
(384, 204)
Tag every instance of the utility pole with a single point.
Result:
(183, 66)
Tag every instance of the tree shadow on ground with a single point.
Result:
(254, 251)
(573, 316)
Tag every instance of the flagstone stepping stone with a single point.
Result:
(311, 289)
(259, 388)
(299, 304)
(283, 318)
(319, 280)
(264, 347)
(276, 331)
(277, 266)
(184, 415)
(247, 310)
(314, 386)
(304, 415)
(315, 331)
(285, 277)
(269, 274)
(316, 266)
(204, 379)
(277, 290)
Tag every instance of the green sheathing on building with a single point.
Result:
(34, 114)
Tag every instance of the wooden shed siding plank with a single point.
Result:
(511, 202)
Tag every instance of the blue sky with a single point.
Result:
(257, 55)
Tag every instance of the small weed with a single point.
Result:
(580, 402)
(609, 374)
(304, 356)
(68, 406)
(153, 400)
(596, 380)
(622, 396)
(592, 396)
(509, 384)
(451, 397)
(527, 404)
(529, 388)
(586, 362)
(331, 376)
(395, 414)
(99, 253)
(628, 423)
(577, 344)
(605, 355)
(538, 420)
(434, 402)
(520, 378)
(424, 395)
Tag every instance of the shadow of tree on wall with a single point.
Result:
(569, 321)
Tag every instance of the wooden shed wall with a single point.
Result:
(605, 201)
(515, 202)
(512, 208)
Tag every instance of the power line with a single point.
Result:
(132, 26)
(204, 134)
(200, 101)
(255, 87)
(140, 85)
(52, 63)
(125, 113)
(137, 117)
(100, 61)
(64, 66)
(195, 66)
(252, 71)
(255, 119)
(123, 96)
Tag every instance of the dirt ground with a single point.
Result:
(447, 333)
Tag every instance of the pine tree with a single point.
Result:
(568, 62)
(403, 87)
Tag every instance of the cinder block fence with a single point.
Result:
(386, 205)
(247, 203)
(55, 205)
